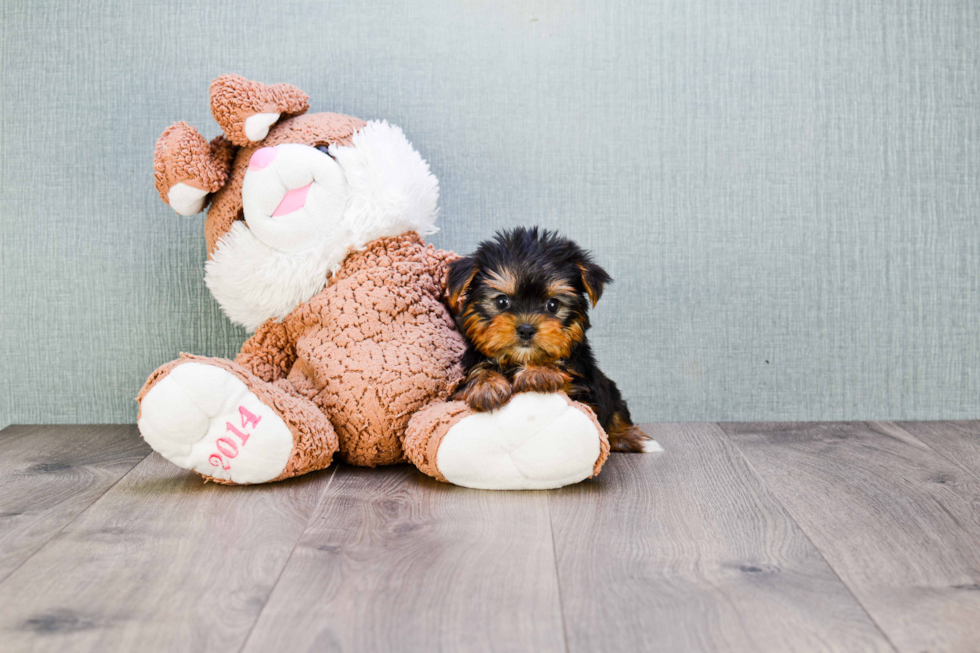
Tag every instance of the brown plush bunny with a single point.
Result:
(314, 243)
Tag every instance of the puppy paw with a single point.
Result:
(487, 392)
(544, 379)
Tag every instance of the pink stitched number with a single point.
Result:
(230, 449)
(248, 417)
(241, 436)
(227, 446)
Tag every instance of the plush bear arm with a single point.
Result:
(269, 354)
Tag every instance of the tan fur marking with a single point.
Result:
(503, 280)
(500, 335)
(625, 437)
(497, 338)
(485, 389)
(541, 378)
(560, 287)
(455, 299)
(593, 292)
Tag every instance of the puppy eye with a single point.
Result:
(502, 302)
(552, 306)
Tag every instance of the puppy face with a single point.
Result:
(523, 298)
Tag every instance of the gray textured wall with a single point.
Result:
(786, 192)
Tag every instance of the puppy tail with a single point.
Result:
(628, 438)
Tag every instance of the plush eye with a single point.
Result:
(325, 150)
(552, 306)
(502, 302)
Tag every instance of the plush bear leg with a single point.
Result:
(216, 418)
(535, 442)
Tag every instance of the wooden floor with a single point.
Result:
(741, 537)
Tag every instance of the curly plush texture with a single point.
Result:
(311, 129)
(371, 349)
(360, 364)
(183, 156)
(268, 353)
(425, 432)
(603, 438)
(234, 99)
(388, 190)
(314, 438)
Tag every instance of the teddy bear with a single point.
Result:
(314, 234)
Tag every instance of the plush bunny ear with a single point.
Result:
(246, 109)
(186, 168)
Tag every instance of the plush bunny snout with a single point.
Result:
(294, 196)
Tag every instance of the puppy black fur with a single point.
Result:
(522, 302)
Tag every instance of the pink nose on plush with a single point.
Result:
(294, 200)
(262, 157)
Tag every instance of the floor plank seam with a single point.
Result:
(315, 513)
(807, 535)
(554, 556)
(956, 463)
(72, 520)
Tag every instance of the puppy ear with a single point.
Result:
(461, 274)
(186, 168)
(246, 109)
(594, 279)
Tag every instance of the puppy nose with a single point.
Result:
(526, 331)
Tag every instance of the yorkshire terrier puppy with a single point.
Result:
(522, 302)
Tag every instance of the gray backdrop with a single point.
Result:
(786, 192)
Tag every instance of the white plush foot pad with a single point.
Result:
(205, 418)
(535, 442)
